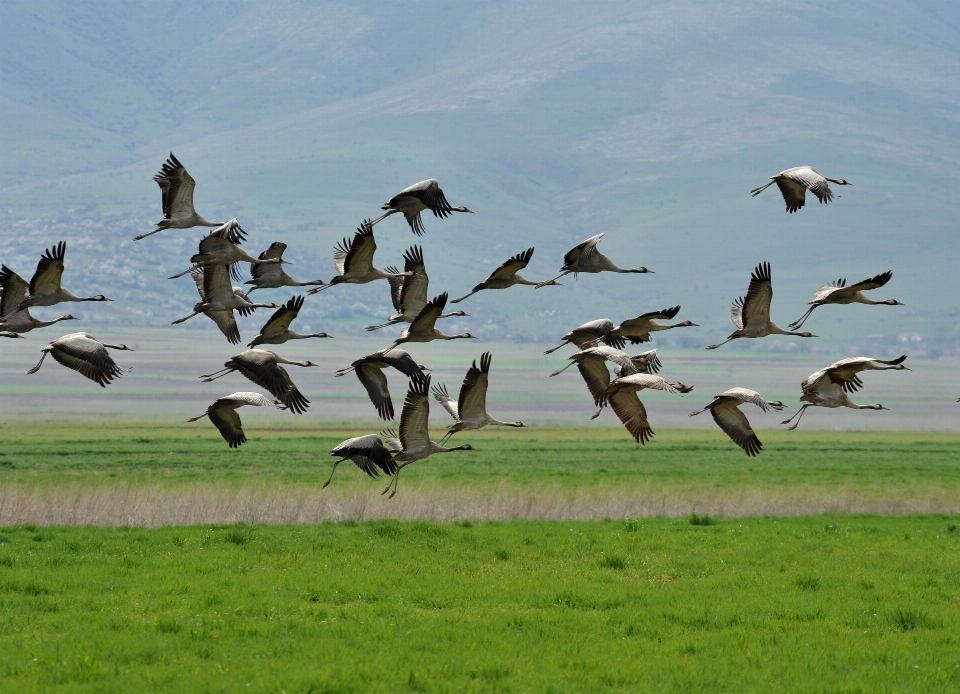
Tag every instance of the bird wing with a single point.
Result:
(872, 283)
(15, 290)
(227, 323)
(735, 424)
(413, 290)
(375, 383)
(647, 362)
(227, 422)
(576, 256)
(472, 403)
(794, 194)
(217, 288)
(359, 256)
(618, 357)
(813, 382)
(275, 250)
(197, 275)
(641, 381)
(430, 194)
(213, 248)
(596, 375)
(87, 356)
(245, 397)
(441, 395)
(632, 413)
(756, 305)
(810, 179)
(230, 231)
(665, 314)
(402, 361)
(415, 416)
(512, 266)
(844, 372)
(368, 453)
(427, 318)
(176, 187)
(746, 395)
(826, 290)
(280, 321)
(46, 279)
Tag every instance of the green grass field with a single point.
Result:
(816, 604)
(657, 597)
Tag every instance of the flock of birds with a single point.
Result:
(214, 268)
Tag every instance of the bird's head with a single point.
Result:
(688, 324)
(68, 316)
(98, 297)
(422, 367)
(843, 182)
(462, 209)
(122, 348)
(464, 447)
(806, 334)
(467, 335)
(776, 404)
(308, 363)
(875, 407)
(642, 270)
(893, 302)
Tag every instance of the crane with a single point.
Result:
(277, 330)
(592, 364)
(12, 318)
(367, 452)
(176, 186)
(638, 329)
(725, 410)
(217, 248)
(751, 315)
(829, 387)
(218, 299)
(469, 411)
(263, 367)
(223, 414)
(354, 260)
(422, 329)
(589, 334)
(839, 293)
(794, 184)
(271, 275)
(507, 275)
(409, 293)
(622, 396)
(425, 195)
(369, 370)
(414, 442)
(86, 355)
(45, 289)
(584, 257)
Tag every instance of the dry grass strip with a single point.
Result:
(147, 505)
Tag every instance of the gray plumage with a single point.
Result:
(263, 367)
(277, 330)
(584, 257)
(218, 299)
(367, 452)
(589, 334)
(12, 318)
(45, 288)
(725, 410)
(411, 201)
(638, 329)
(794, 184)
(86, 355)
(839, 293)
(507, 275)
(622, 397)
(270, 274)
(176, 187)
(223, 414)
(369, 370)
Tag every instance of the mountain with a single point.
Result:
(647, 121)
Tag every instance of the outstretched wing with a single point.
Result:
(472, 403)
(280, 321)
(512, 266)
(756, 304)
(15, 290)
(375, 383)
(46, 279)
(734, 424)
(176, 188)
(441, 395)
(632, 413)
(415, 416)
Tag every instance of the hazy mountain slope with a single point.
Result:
(554, 121)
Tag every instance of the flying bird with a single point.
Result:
(45, 289)
(219, 248)
(592, 364)
(751, 315)
(507, 275)
(263, 367)
(354, 260)
(425, 195)
(590, 334)
(369, 370)
(223, 414)
(725, 409)
(86, 355)
(270, 274)
(218, 299)
(12, 318)
(638, 329)
(584, 257)
(794, 184)
(839, 293)
(829, 387)
(422, 329)
(414, 442)
(408, 292)
(177, 186)
(367, 452)
(622, 397)
(469, 411)
(277, 330)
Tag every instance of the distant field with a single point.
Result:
(819, 604)
(122, 474)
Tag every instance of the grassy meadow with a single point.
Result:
(813, 604)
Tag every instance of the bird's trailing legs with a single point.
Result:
(797, 324)
(330, 478)
(729, 339)
(756, 191)
(557, 373)
(798, 415)
(551, 282)
(207, 378)
(186, 318)
(39, 364)
(393, 482)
